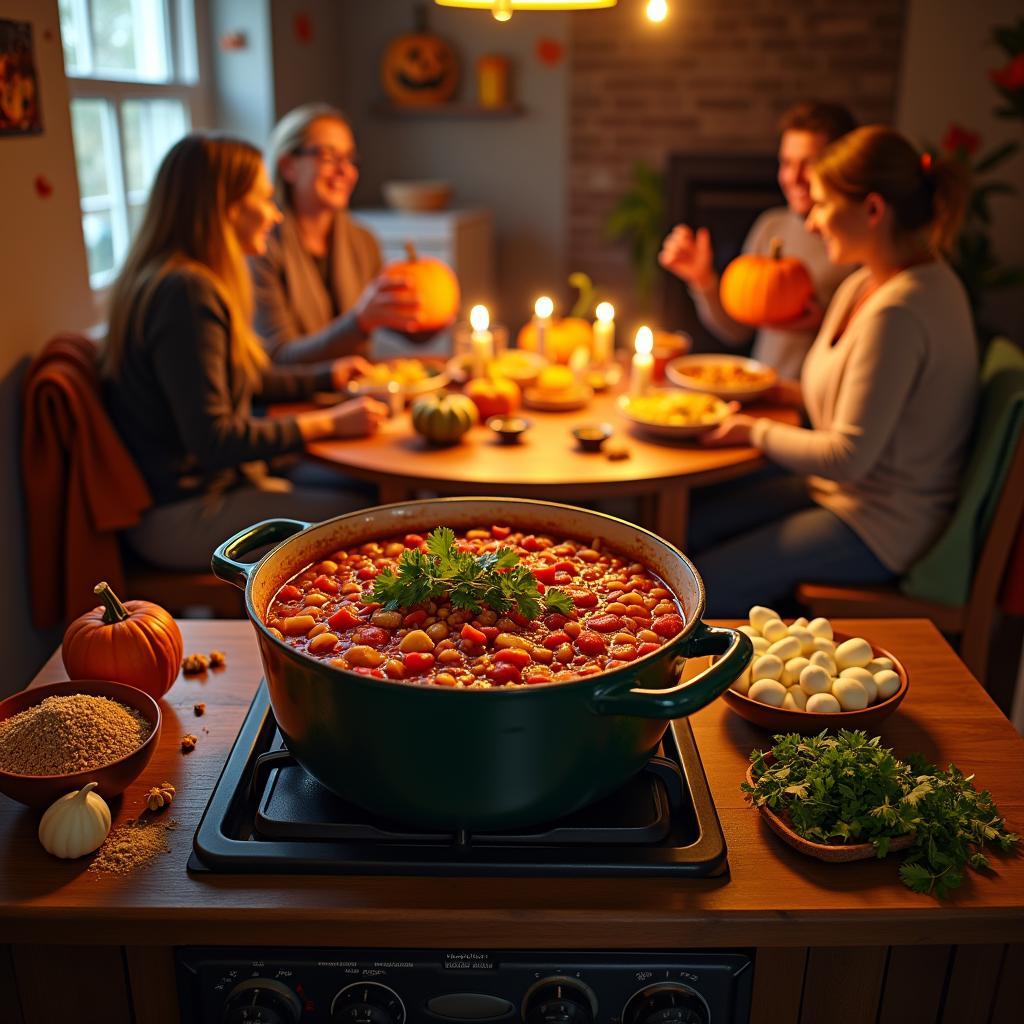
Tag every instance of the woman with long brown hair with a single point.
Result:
(888, 386)
(182, 365)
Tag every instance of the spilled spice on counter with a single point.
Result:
(218, 659)
(193, 664)
(132, 845)
(188, 743)
(198, 710)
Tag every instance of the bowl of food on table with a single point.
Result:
(475, 663)
(805, 677)
(410, 376)
(730, 377)
(557, 389)
(62, 736)
(513, 364)
(673, 414)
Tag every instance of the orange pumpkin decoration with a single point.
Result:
(563, 337)
(765, 290)
(436, 287)
(419, 69)
(136, 642)
(493, 396)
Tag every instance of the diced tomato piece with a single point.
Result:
(583, 598)
(591, 643)
(395, 669)
(667, 625)
(530, 543)
(465, 547)
(412, 540)
(344, 618)
(289, 593)
(504, 673)
(562, 578)
(489, 632)
(556, 620)
(500, 532)
(537, 677)
(368, 572)
(418, 661)
(624, 652)
(376, 673)
(473, 635)
(414, 618)
(605, 623)
(566, 566)
(540, 587)
(553, 640)
(519, 618)
(372, 636)
(544, 574)
(328, 584)
(647, 648)
(514, 656)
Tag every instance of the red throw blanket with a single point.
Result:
(81, 486)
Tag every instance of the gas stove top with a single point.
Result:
(267, 814)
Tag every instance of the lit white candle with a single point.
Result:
(481, 341)
(542, 310)
(604, 333)
(643, 361)
(578, 363)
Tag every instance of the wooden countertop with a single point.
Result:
(772, 896)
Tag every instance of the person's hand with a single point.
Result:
(734, 430)
(689, 256)
(358, 417)
(784, 392)
(809, 320)
(347, 367)
(388, 301)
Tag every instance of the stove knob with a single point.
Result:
(559, 1001)
(367, 1002)
(262, 1001)
(668, 1003)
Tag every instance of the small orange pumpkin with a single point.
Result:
(434, 284)
(563, 337)
(765, 290)
(419, 69)
(136, 642)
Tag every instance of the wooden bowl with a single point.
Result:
(810, 723)
(833, 853)
(111, 779)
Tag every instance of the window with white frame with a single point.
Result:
(133, 75)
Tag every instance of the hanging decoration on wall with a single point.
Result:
(550, 51)
(19, 87)
(502, 9)
(419, 69)
(302, 26)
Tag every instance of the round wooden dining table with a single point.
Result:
(547, 464)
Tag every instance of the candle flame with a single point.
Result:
(644, 343)
(544, 307)
(657, 10)
(605, 312)
(479, 318)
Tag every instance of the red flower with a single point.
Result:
(959, 141)
(1010, 77)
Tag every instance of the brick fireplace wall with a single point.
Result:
(712, 79)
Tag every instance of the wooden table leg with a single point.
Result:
(671, 512)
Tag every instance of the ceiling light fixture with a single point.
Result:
(502, 9)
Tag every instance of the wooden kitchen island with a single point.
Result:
(835, 943)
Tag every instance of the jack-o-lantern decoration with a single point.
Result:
(765, 290)
(419, 69)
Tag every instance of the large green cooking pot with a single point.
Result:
(475, 759)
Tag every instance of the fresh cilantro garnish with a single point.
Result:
(849, 788)
(494, 580)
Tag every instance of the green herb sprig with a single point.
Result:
(492, 580)
(848, 788)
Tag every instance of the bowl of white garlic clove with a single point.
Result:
(804, 677)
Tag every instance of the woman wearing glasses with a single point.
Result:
(317, 288)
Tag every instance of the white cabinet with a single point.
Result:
(464, 239)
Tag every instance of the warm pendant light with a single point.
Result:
(502, 9)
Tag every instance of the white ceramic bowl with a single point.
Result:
(742, 391)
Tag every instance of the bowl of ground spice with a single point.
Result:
(56, 738)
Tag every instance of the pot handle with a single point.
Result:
(684, 698)
(225, 562)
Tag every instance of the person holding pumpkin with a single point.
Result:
(889, 388)
(318, 285)
(805, 130)
(181, 365)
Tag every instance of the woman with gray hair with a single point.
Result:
(317, 289)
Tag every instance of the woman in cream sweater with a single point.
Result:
(888, 387)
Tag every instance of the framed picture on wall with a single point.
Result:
(20, 113)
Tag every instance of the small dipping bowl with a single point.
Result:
(508, 429)
(591, 436)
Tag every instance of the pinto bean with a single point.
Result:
(364, 657)
(298, 625)
(322, 643)
(437, 631)
(386, 620)
(415, 640)
(504, 640)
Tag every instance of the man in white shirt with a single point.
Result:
(805, 130)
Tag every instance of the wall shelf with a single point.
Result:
(441, 111)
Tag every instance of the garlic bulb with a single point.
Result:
(76, 824)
